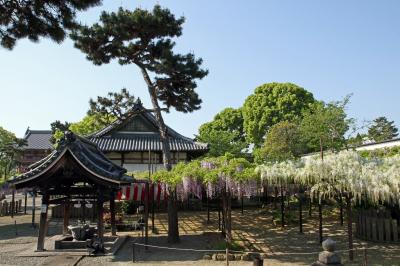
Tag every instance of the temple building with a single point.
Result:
(133, 143)
(38, 146)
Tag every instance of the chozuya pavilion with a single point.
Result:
(75, 170)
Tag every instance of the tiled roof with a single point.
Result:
(109, 139)
(38, 139)
(85, 152)
(145, 143)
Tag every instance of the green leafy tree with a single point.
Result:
(272, 103)
(10, 149)
(225, 133)
(382, 129)
(145, 39)
(36, 18)
(324, 126)
(283, 142)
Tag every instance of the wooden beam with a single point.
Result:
(13, 203)
(43, 221)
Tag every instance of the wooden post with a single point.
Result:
(227, 255)
(320, 221)
(282, 209)
(33, 208)
(242, 202)
(341, 209)
(300, 213)
(208, 209)
(43, 221)
(350, 226)
(153, 206)
(100, 222)
(112, 211)
(13, 203)
(66, 217)
(26, 200)
(146, 215)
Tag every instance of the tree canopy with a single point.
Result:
(382, 129)
(282, 142)
(144, 38)
(10, 147)
(34, 19)
(324, 125)
(272, 103)
(225, 133)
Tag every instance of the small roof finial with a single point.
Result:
(138, 101)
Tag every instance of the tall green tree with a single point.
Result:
(382, 129)
(272, 103)
(10, 149)
(282, 142)
(225, 133)
(324, 126)
(145, 39)
(37, 18)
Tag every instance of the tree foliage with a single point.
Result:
(36, 18)
(225, 133)
(10, 149)
(272, 103)
(116, 105)
(283, 142)
(144, 38)
(382, 129)
(324, 125)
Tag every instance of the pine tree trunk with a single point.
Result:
(173, 230)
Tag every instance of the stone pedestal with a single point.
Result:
(328, 256)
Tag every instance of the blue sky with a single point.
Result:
(331, 48)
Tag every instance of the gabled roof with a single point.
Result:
(38, 139)
(87, 156)
(123, 135)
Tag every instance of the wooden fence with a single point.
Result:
(377, 225)
(6, 207)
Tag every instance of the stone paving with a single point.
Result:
(254, 229)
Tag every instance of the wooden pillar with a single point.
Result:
(66, 217)
(100, 222)
(13, 203)
(146, 215)
(33, 208)
(25, 202)
(300, 213)
(112, 210)
(152, 208)
(43, 221)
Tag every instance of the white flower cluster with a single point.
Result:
(343, 172)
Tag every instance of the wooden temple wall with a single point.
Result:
(377, 226)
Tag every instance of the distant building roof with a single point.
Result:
(38, 139)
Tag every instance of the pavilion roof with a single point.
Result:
(85, 153)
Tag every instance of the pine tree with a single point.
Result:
(144, 38)
(36, 18)
(382, 129)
